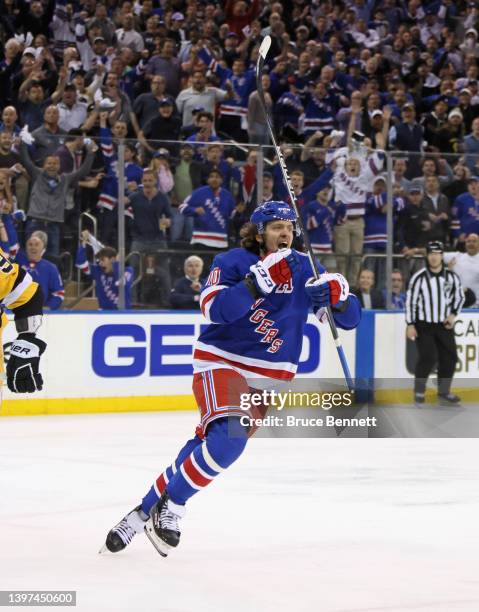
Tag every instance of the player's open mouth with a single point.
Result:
(283, 245)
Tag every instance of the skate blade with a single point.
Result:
(160, 546)
(103, 549)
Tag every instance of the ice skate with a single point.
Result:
(162, 529)
(123, 533)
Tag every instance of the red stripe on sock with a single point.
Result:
(194, 475)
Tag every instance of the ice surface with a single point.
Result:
(328, 525)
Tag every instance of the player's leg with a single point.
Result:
(218, 393)
(427, 357)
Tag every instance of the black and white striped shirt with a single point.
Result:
(433, 297)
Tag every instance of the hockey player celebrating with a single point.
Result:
(257, 298)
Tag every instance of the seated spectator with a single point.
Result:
(186, 292)
(105, 273)
(211, 208)
(367, 294)
(46, 210)
(398, 295)
(151, 215)
(44, 272)
(466, 266)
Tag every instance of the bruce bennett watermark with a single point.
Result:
(264, 401)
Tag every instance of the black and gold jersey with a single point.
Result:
(17, 288)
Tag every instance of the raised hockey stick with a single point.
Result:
(263, 52)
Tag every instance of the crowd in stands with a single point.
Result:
(362, 93)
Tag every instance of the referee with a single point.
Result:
(434, 298)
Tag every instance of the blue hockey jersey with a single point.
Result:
(211, 227)
(320, 223)
(320, 114)
(465, 215)
(375, 228)
(46, 274)
(106, 285)
(261, 338)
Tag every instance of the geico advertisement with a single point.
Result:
(145, 353)
(390, 331)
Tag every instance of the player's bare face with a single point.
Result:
(278, 235)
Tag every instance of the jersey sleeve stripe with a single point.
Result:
(206, 298)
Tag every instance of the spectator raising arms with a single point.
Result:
(105, 273)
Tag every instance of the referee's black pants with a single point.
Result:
(435, 344)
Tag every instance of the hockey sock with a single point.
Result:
(224, 442)
(159, 485)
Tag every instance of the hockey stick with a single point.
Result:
(263, 52)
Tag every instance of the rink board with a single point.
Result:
(136, 361)
(141, 360)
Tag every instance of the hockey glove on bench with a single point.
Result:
(330, 289)
(275, 269)
(23, 374)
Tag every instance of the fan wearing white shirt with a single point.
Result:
(127, 36)
(466, 266)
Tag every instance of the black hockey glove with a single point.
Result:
(23, 365)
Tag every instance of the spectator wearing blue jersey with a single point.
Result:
(105, 273)
(186, 292)
(211, 208)
(205, 133)
(465, 212)
(44, 272)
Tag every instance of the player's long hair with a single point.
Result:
(248, 234)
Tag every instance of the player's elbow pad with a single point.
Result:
(351, 316)
(231, 304)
